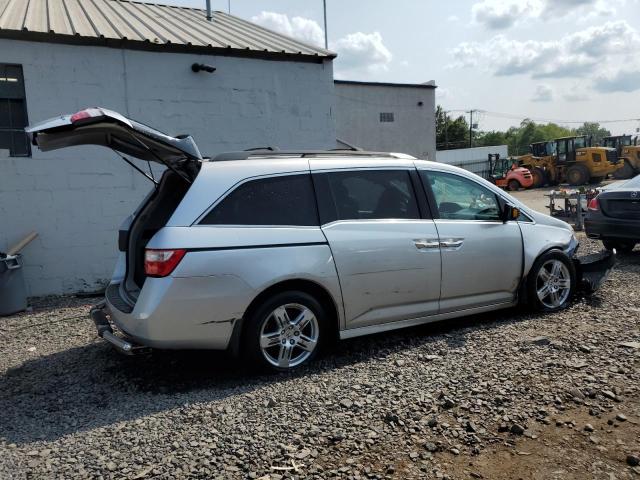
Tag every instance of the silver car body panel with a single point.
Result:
(381, 274)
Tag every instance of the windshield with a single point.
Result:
(580, 142)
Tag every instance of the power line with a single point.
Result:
(523, 117)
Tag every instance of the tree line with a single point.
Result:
(454, 133)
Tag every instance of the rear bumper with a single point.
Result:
(606, 227)
(179, 313)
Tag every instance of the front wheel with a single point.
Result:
(514, 185)
(284, 332)
(551, 282)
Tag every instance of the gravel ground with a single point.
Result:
(499, 396)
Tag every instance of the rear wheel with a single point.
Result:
(627, 171)
(284, 332)
(577, 175)
(539, 177)
(624, 246)
(514, 185)
(551, 282)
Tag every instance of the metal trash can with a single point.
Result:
(13, 291)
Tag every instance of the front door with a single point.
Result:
(481, 255)
(385, 248)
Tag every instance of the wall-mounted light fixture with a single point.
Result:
(420, 103)
(202, 67)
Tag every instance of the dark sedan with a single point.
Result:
(614, 216)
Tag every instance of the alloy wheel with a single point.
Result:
(553, 284)
(289, 335)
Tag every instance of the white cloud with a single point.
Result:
(503, 14)
(576, 93)
(453, 18)
(300, 28)
(622, 81)
(573, 55)
(361, 53)
(543, 93)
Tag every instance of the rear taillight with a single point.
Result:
(86, 114)
(160, 263)
(594, 205)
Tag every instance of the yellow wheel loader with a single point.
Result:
(540, 161)
(579, 163)
(628, 152)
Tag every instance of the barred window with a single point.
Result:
(13, 111)
(386, 117)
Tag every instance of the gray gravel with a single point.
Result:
(429, 402)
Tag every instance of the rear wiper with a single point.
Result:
(151, 179)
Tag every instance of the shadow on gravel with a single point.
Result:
(92, 386)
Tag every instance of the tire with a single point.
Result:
(273, 323)
(577, 175)
(558, 271)
(595, 180)
(514, 185)
(539, 177)
(623, 246)
(627, 171)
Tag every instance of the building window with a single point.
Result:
(13, 111)
(386, 117)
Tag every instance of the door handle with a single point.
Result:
(425, 244)
(454, 243)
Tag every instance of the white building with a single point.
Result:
(387, 117)
(61, 56)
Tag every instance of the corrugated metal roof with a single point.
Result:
(132, 24)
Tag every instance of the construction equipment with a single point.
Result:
(505, 173)
(579, 163)
(540, 161)
(628, 152)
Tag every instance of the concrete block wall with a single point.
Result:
(76, 198)
(357, 112)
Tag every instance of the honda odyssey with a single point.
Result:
(273, 253)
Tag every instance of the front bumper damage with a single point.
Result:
(100, 315)
(592, 270)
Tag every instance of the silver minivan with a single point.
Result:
(273, 253)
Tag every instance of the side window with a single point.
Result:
(458, 198)
(367, 195)
(13, 111)
(285, 200)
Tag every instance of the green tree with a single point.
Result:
(451, 133)
(489, 139)
(593, 130)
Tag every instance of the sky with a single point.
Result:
(548, 60)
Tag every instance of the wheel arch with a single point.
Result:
(522, 289)
(310, 287)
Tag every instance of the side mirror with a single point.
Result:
(510, 213)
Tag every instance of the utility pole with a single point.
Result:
(446, 131)
(471, 128)
(326, 36)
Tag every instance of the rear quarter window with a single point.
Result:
(283, 200)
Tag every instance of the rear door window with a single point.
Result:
(366, 195)
(283, 200)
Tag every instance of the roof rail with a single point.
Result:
(248, 154)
